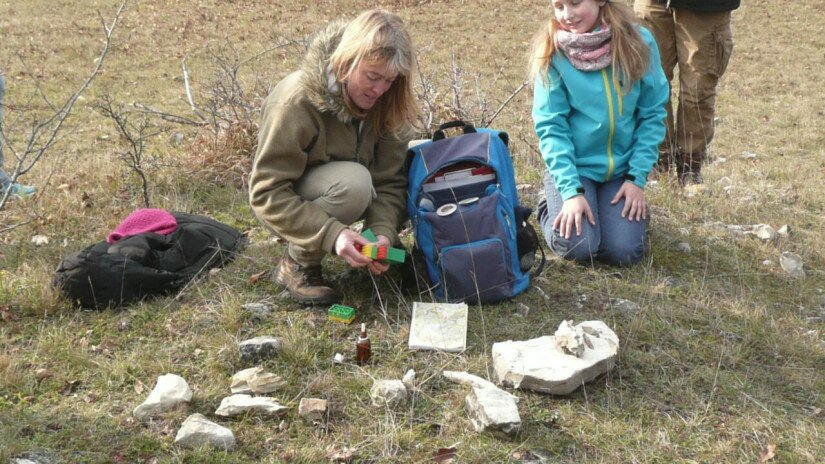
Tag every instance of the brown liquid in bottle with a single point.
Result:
(363, 348)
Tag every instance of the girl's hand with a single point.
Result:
(345, 248)
(635, 207)
(571, 216)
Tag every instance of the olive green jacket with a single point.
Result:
(306, 123)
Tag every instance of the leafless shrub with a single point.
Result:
(134, 137)
(457, 94)
(226, 109)
(45, 133)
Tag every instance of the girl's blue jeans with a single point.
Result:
(614, 239)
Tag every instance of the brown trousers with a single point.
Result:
(701, 45)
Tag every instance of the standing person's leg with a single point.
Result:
(704, 45)
(344, 191)
(659, 20)
(4, 179)
(624, 242)
(17, 190)
(582, 248)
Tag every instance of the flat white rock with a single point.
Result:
(237, 405)
(493, 409)
(388, 392)
(792, 264)
(541, 365)
(255, 380)
(312, 409)
(197, 431)
(170, 391)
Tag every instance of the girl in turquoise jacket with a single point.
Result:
(599, 110)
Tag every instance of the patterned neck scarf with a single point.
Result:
(590, 51)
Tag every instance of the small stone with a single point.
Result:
(176, 139)
(767, 262)
(170, 391)
(792, 264)
(197, 431)
(764, 232)
(259, 348)
(684, 247)
(523, 310)
(784, 231)
(493, 409)
(40, 240)
(42, 373)
(312, 409)
(255, 380)
(237, 405)
(282, 426)
(749, 155)
(260, 310)
(570, 339)
(625, 306)
(695, 189)
(388, 392)
(338, 358)
(409, 380)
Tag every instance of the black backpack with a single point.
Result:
(104, 275)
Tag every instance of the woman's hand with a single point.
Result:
(345, 248)
(635, 207)
(571, 214)
(380, 267)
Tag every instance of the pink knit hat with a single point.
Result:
(158, 221)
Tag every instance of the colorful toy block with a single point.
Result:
(380, 252)
(369, 235)
(341, 313)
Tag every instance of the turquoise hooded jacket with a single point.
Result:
(587, 128)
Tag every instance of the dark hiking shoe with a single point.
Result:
(305, 284)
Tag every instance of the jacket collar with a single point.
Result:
(322, 89)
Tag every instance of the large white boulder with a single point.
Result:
(540, 364)
(170, 391)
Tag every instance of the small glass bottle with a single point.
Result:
(363, 348)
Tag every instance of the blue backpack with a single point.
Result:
(473, 234)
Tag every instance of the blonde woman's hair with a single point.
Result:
(380, 36)
(631, 54)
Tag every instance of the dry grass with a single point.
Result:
(724, 359)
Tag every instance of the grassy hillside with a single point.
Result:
(723, 362)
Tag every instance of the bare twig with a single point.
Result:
(194, 107)
(136, 136)
(506, 102)
(35, 147)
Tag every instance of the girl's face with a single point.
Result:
(577, 16)
(368, 82)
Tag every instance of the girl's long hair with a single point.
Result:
(380, 36)
(631, 54)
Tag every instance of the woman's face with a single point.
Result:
(368, 82)
(577, 16)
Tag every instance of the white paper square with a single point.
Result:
(438, 326)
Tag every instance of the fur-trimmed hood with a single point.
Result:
(322, 89)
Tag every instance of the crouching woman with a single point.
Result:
(331, 150)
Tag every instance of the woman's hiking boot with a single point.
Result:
(306, 284)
